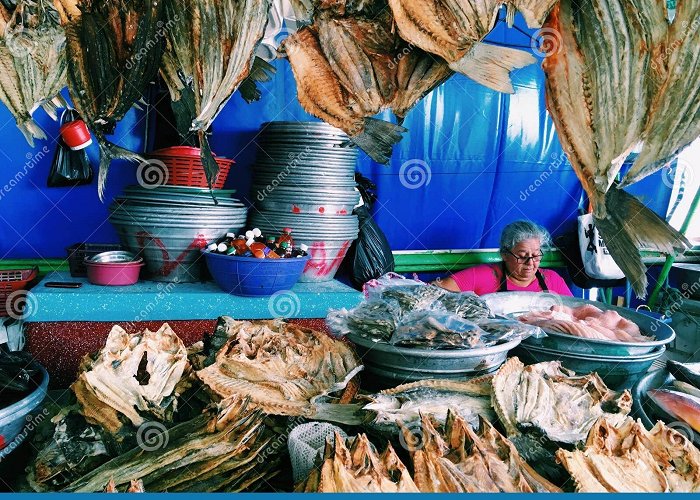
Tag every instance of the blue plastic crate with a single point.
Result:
(251, 277)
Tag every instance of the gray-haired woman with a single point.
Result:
(521, 250)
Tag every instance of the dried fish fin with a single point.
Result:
(260, 71)
(630, 225)
(378, 138)
(491, 65)
(108, 153)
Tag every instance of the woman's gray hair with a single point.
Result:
(520, 230)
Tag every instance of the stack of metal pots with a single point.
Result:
(168, 225)
(304, 179)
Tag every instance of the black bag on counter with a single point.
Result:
(69, 168)
(370, 255)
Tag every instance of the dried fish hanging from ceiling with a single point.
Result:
(608, 45)
(209, 56)
(351, 64)
(32, 63)
(114, 50)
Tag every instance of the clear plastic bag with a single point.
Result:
(504, 330)
(430, 329)
(373, 319)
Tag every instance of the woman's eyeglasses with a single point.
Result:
(525, 260)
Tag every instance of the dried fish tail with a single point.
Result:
(109, 152)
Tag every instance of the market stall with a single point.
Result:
(381, 246)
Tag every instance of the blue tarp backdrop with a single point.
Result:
(472, 161)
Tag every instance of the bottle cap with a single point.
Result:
(284, 245)
(230, 235)
(270, 239)
(287, 230)
(231, 251)
(221, 247)
(257, 232)
(212, 247)
(249, 235)
(303, 247)
(250, 241)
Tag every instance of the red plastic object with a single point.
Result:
(185, 167)
(76, 135)
(114, 273)
(11, 281)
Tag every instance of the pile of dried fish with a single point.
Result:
(626, 458)
(466, 461)
(209, 56)
(356, 467)
(350, 64)
(134, 487)
(32, 62)
(114, 50)
(608, 45)
(280, 367)
(549, 400)
(453, 30)
(135, 378)
(468, 399)
(216, 451)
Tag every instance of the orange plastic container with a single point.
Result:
(185, 167)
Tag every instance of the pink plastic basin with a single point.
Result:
(114, 273)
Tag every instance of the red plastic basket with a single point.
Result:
(185, 167)
(11, 281)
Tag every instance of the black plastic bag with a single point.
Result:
(69, 168)
(370, 255)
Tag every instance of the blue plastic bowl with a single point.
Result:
(251, 277)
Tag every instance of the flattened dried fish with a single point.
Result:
(548, 400)
(108, 389)
(210, 51)
(608, 45)
(279, 367)
(114, 50)
(628, 458)
(454, 29)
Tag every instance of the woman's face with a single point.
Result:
(523, 271)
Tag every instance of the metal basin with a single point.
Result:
(395, 365)
(618, 372)
(510, 303)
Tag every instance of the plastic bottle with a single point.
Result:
(221, 247)
(287, 236)
(212, 247)
(301, 251)
(257, 235)
(285, 249)
(239, 245)
(258, 249)
(271, 242)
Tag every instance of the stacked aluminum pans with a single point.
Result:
(169, 224)
(305, 180)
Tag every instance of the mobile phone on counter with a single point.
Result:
(62, 284)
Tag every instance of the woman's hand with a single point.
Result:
(446, 283)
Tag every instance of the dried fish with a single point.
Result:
(548, 400)
(453, 30)
(357, 468)
(114, 50)
(626, 458)
(216, 451)
(211, 44)
(607, 45)
(109, 390)
(280, 367)
(466, 461)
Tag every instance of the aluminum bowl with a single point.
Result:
(115, 256)
(511, 303)
(391, 365)
(618, 372)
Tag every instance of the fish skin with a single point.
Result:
(678, 405)
(453, 30)
(584, 101)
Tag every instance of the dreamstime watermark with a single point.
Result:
(662, 58)
(163, 291)
(545, 301)
(400, 55)
(680, 169)
(33, 160)
(275, 446)
(557, 161)
(411, 436)
(31, 423)
(295, 160)
(21, 304)
(160, 34)
(687, 291)
(284, 304)
(546, 42)
(415, 174)
(151, 174)
(152, 436)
